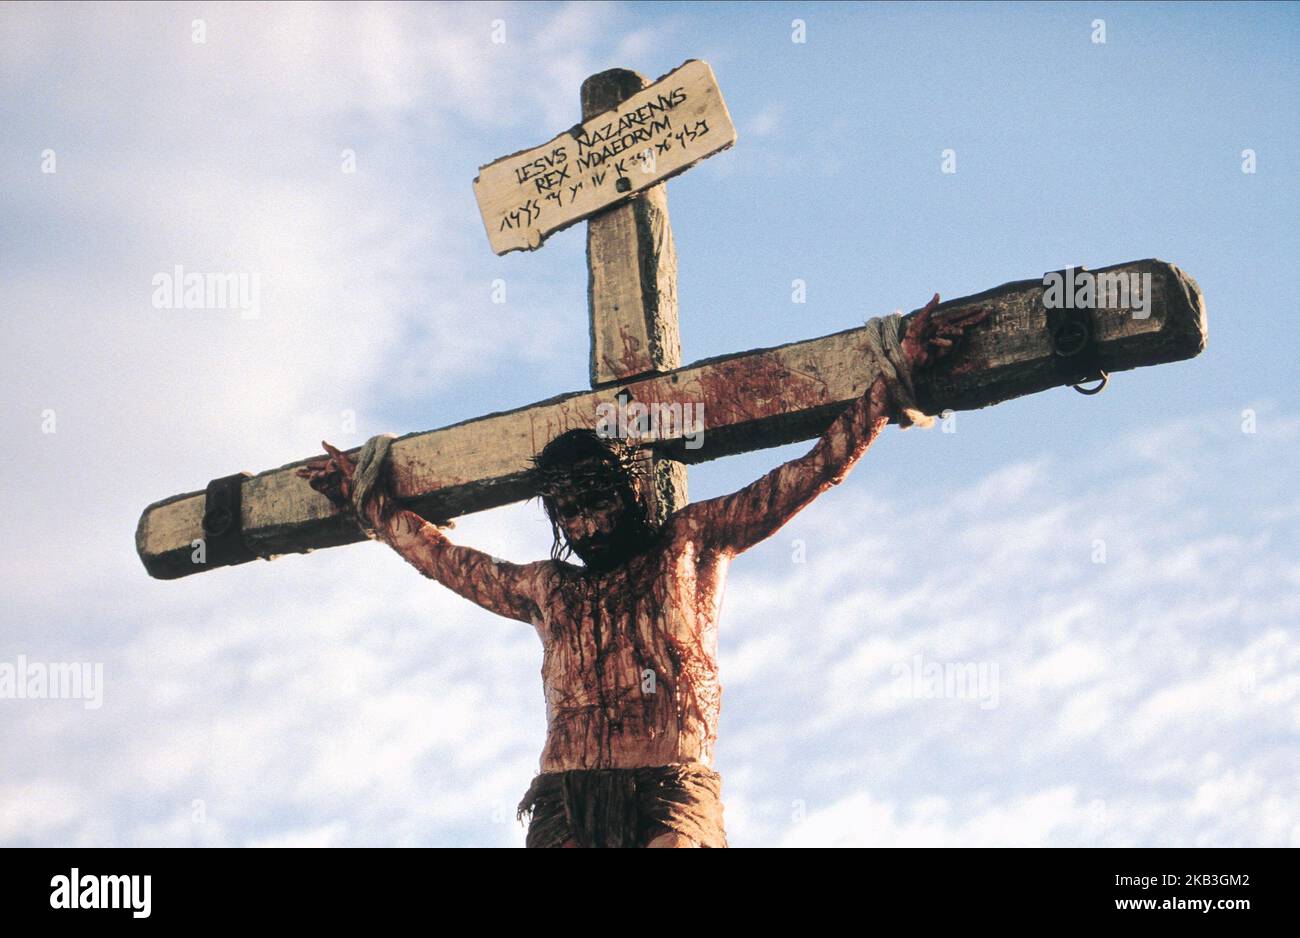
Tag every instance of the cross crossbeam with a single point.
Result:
(750, 400)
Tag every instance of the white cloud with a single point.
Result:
(1178, 645)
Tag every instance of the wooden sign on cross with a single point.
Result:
(1035, 338)
(631, 139)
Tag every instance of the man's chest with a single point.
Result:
(639, 629)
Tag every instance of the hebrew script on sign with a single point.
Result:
(659, 132)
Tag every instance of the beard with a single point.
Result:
(604, 552)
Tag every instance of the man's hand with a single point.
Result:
(332, 476)
(930, 338)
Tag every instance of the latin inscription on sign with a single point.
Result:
(662, 130)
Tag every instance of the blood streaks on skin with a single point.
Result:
(629, 669)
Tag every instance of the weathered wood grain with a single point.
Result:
(657, 133)
(631, 264)
(752, 400)
(632, 289)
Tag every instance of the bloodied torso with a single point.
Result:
(630, 663)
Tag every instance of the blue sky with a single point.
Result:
(337, 698)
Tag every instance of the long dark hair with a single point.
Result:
(613, 463)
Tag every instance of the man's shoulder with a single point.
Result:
(550, 571)
(690, 523)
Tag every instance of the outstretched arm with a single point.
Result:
(736, 522)
(498, 586)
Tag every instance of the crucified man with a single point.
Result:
(629, 638)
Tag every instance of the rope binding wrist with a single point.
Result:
(884, 345)
(372, 462)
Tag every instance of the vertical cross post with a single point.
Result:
(632, 288)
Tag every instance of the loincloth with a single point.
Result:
(624, 807)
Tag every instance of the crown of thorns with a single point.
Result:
(614, 461)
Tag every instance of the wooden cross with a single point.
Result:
(1036, 338)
